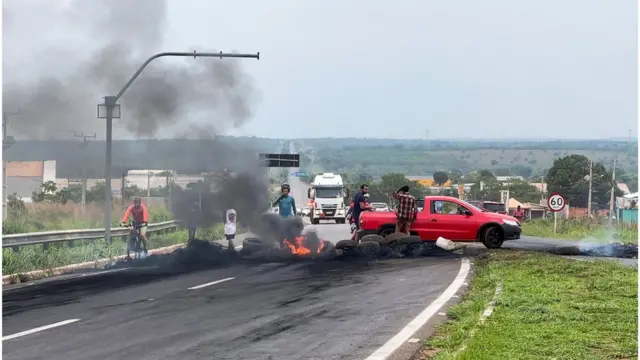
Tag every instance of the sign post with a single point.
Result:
(504, 196)
(555, 203)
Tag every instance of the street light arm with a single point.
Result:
(178, 54)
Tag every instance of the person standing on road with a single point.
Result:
(407, 209)
(285, 203)
(230, 228)
(360, 204)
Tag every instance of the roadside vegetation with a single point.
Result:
(550, 308)
(31, 258)
(589, 230)
(44, 216)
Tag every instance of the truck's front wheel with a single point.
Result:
(493, 237)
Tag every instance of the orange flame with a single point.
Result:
(298, 248)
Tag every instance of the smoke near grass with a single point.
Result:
(210, 94)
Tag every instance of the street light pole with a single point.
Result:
(110, 110)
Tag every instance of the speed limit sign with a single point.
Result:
(556, 202)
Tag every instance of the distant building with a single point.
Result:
(25, 177)
(508, 178)
(428, 181)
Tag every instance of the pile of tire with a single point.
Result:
(395, 245)
(264, 249)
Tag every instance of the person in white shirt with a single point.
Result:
(230, 228)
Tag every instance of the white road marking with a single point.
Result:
(211, 283)
(103, 272)
(41, 328)
(413, 341)
(442, 314)
(400, 338)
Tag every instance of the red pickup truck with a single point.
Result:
(449, 217)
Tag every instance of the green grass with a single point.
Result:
(46, 217)
(31, 258)
(582, 229)
(550, 308)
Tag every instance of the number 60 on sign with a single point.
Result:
(556, 202)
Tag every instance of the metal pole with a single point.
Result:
(84, 166)
(110, 103)
(5, 146)
(613, 186)
(590, 183)
(148, 187)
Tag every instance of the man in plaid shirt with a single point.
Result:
(407, 209)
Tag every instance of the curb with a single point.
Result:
(62, 270)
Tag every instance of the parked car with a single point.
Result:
(450, 218)
(377, 206)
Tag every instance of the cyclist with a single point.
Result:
(140, 218)
(285, 203)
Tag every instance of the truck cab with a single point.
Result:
(450, 218)
(328, 193)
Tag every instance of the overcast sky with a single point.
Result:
(459, 69)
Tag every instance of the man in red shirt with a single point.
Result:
(518, 213)
(407, 209)
(140, 216)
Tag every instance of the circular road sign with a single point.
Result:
(556, 202)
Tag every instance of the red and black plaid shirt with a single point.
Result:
(407, 209)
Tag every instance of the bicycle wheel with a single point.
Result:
(138, 248)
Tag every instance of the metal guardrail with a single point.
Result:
(47, 237)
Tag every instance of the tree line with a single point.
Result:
(568, 176)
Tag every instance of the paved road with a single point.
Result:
(327, 310)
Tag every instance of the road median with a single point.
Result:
(548, 307)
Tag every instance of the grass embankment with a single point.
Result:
(550, 308)
(31, 258)
(582, 229)
(44, 217)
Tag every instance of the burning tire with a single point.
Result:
(345, 245)
(369, 248)
(328, 249)
(372, 238)
(409, 240)
(254, 244)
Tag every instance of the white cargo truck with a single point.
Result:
(327, 193)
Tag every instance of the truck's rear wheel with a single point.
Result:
(493, 237)
(387, 231)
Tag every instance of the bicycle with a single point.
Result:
(134, 239)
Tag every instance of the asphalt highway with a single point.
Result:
(307, 310)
